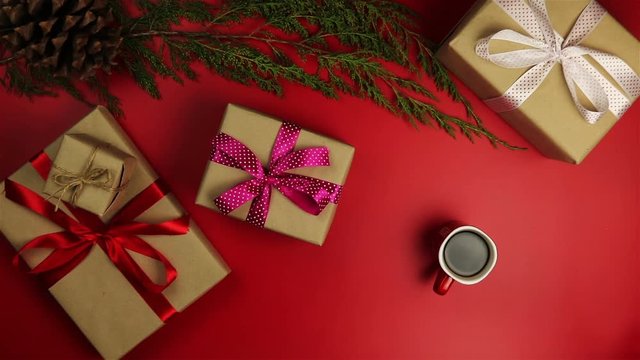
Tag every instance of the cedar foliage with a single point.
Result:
(332, 46)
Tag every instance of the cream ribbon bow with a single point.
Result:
(549, 48)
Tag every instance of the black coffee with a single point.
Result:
(466, 253)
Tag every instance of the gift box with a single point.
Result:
(89, 174)
(275, 175)
(561, 93)
(119, 276)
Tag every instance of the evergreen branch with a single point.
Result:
(447, 122)
(349, 42)
(363, 74)
(387, 22)
(153, 33)
(442, 80)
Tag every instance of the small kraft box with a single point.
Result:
(89, 174)
(561, 72)
(275, 175)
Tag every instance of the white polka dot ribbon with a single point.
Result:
(309, 194)
(548, 48)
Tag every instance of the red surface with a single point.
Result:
(566, 282)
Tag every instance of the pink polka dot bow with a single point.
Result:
(309, 194)
(547, 48)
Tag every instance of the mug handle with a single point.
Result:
(443, 283)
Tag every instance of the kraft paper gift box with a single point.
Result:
(549, 118)
(104, 304)
(258, 132)
(79, 155)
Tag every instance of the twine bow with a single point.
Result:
(549, 48)
(75, 182)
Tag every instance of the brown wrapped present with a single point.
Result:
(116, 302)
(275, 189)
(89, 174)
(563, 93)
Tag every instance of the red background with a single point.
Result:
(566, 282)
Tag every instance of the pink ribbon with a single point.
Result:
(309, 194)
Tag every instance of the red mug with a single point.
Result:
(446, 276)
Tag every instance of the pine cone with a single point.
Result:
(67, 37)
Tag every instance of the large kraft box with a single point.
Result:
(549, 118)
(258, 132)
(95, 294)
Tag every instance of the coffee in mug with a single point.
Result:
(467, 255)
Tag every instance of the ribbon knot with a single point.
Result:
(92, 237)
(271, 180)
(309, 194)
(548, 48)
(557, 54)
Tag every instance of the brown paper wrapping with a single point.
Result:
(95, 294)
(74, 155)
(258, 132)
(549, 118)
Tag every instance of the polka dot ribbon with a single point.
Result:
(548, 48)
(309, 194)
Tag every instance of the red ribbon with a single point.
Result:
(117, 238)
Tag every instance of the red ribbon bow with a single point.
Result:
(310, 194)
(72, 245)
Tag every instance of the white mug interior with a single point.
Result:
(491, 263)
